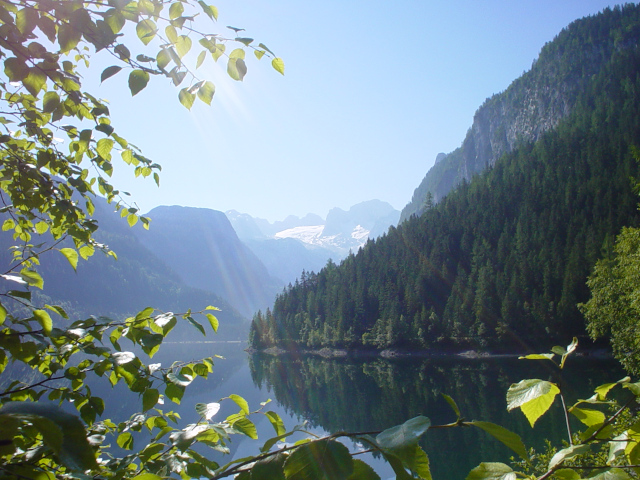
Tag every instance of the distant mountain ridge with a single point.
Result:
(533, 104)
(278, 244)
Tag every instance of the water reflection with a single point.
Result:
(365, 394)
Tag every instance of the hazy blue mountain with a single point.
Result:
(104, 286)
(202, 247)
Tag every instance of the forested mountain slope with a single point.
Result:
(535, 102)
(502, 260)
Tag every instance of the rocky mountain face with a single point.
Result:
(288, 247)
(201, 246)
(533, 104)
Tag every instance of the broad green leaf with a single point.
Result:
(75, 451)
(59, 310)
(321, 460)
(176, 10)
(246, 426)
(207, 410)
(603, 390)
(148, 476)
(611, 474)
(68, 37)
(183, 45)
(362, 471)
(220, 49)
(236, 69)
(171, 33)
(35, 81)
(276, 422)
(237, 53)
(271, 468)
(32, 278)
(186, 98)
(206, 92)
(132, 219)
(259, 54)
(510, 439)
(398, 466)
(104, 147)
(174, 392)
(179, 379)
(452, 403)
(566, 474)
(44, 320)
(567, 453)
(403, 435)
(245, 41)
(26, 20)
(533, 396)
(492, 471)
(617, 447)
(588, 416)
(213, 321)
(241, 402)
(163, 58)
(125, 440)
(278, 64)
(146, 30)
(138, 80)
(415, 459)
(150, 399)
(42, 227)
(71, 255)
(209, 10)
(3, 314)
(50, 101)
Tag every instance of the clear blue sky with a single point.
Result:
(373, 91)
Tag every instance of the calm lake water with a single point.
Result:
(370, 394)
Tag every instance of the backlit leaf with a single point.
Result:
(44, 320)
(588, 416)
(533, 396)
(186, 98)
(362, 471)
(183, 45)
(207, 410)
(320, 460)
(492, 471)
(71, 255)
(278, 64)
(32, 278)
(241, 402)
(146, 30)
(510, 439)
(138, 80)
(213, 321)
(402, 435)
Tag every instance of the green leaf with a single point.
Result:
(588, 416)
(163, 58)
(32, 278)
(241, 402)
(567, 453)
(362, 471)
(246, 426)
(245, 41)
(150, 399)
(138, 80)
(209, 10)
(146, 30)
(538, 356)
(236, 68)
(179, 379)
(132, 219)
(566, 474)
(183, 45)
(68, 37)
(174, 392)
(125, 440)
(3, 314)
(197, 325)
(400, 436)
(213, 321)
(259, 54)
(414, 458)
(74, 450)
(50, 101)
(26, 20)
(452, 403)
(57, 309)
(186, 98)
(603, 390)
(321, 460)
(271, 468)
(44, 320)
(201, 56)
(104, 147)
(207, 410)
(533, 396)
(175, 10)
(510, 439)
(35, 81)
(276, 422)
(611, 474)
(71, 255)
(492, 471)
(278, 64)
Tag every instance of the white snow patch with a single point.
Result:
(360, 233)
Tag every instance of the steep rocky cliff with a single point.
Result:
(533, 104)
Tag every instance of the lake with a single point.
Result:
(371, 393)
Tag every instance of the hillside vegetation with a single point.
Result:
(502, 260)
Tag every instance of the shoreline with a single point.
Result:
(469, 354)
